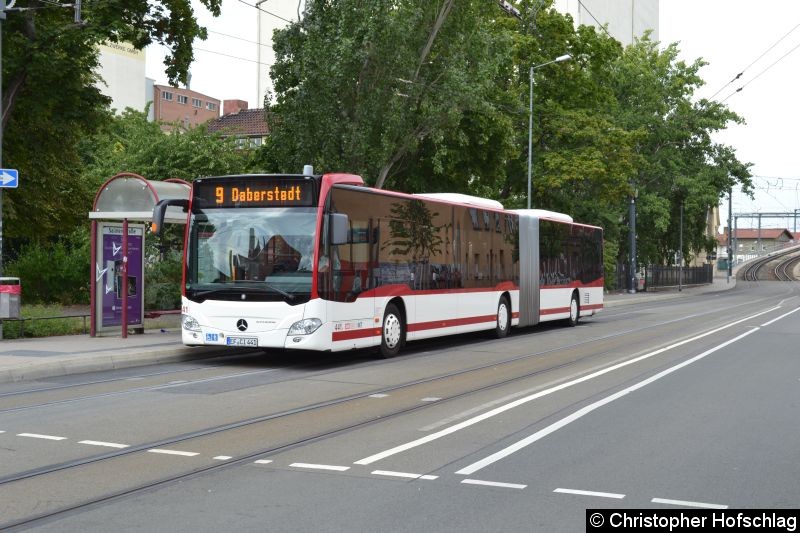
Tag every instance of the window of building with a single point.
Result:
(182, 99)
(196, 102)
(166, 95)
(211, 106)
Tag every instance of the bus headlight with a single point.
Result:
(305, 327)
(189, 323)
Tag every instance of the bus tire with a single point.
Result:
(393, 332)
(503, 325)
(574, 310)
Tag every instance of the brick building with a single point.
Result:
(183, 106)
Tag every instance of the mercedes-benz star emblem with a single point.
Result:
(241, 325)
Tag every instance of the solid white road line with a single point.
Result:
(780, 317)
(493, 484)
(320, 467)
(503, 408)
(474, 467)
(591, 493)
(689, 504)
(37, 436)
(173, 452)
(106, 444)
(402, 474)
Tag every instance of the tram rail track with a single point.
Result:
(122, 461)
(753, 271)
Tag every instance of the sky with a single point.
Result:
(761, 40)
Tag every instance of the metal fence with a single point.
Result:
(672, 276)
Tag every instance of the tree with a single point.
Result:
(131, 143)
(679, 162)
(363, 85)
(49, 67)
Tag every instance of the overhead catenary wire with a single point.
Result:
(754, 78)
(601, 26)
(265, 11)
(739, 75)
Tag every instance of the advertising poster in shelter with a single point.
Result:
(109, 274)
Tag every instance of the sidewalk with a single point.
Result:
(46, 357)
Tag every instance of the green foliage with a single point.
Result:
(55, 272)
(367, 86)
(433, 96)
(162, 290)
(51, 101)
(131, 143)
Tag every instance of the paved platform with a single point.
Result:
(40, 358)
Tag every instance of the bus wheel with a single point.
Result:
(503, 318)
(393, 332)
(574, 311)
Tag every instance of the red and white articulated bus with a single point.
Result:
(322, 262)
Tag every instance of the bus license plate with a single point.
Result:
(242, 341)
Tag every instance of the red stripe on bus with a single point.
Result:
(451, 323)
(553, 311)
(356, 334)
(419, 326)
(557, 310)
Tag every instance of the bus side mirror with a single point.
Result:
(340, 228)
(160, 212)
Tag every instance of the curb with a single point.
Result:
(100, 362)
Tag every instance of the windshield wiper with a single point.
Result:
(262, 288)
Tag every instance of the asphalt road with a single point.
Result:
(686, 403)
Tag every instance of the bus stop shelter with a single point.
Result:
(122, 210)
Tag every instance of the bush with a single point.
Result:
(162, 287)
(55, 272)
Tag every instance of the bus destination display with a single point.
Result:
(255, 192)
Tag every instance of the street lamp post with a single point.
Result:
(559, 59)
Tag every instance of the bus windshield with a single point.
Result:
(259, 254)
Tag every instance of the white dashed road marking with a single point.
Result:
(173, 452)
(222, 457)
(590, 493)
(402, 474)
(263, 461)
(106, 444)
(493, 484)
(37, 436)
(689, 504)
(320, 467)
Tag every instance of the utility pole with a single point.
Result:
(680, 254)
(632, 237)
(730, 234)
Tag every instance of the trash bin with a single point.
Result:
(10, 296)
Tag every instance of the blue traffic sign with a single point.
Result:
(9, 177)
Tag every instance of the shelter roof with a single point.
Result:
(130, 196)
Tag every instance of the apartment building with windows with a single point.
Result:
(184, 107)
